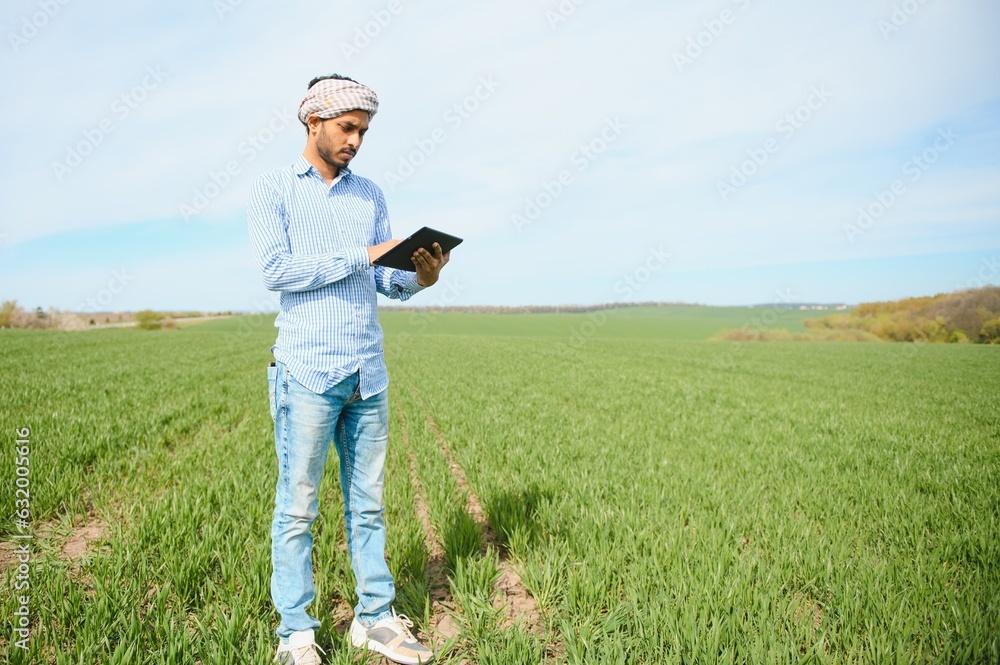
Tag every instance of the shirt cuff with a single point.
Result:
(338, 265)
(358, 259)
(405, 283)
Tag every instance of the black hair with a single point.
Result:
(330, 76)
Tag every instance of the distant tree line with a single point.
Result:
(966, 316)
(13, 315)
(535, 309)
(962, 317)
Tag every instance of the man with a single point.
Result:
(315, 229)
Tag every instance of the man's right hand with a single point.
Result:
(378, 250)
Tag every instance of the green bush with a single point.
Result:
(990, 332)
(7, 311)
(147, 319)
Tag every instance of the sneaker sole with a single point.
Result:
(378, 647)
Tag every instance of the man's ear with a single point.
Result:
(313, 122)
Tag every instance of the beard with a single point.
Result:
(326, 152)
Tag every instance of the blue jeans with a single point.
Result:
(304, 424)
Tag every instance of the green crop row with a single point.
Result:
(664, 500)
(820, 502)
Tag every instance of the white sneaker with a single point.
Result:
(392, 638)
(300, 649)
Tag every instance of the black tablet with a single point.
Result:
(399, 256)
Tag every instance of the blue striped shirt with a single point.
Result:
(310, 241)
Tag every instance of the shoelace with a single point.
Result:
(307, 654)
(405, 623)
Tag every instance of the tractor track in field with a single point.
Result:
(511, 595)
(442, 627)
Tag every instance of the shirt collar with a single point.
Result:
(302, 167)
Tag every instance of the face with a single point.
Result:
(339, 139)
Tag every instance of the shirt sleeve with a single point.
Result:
(280, 269)
(392, 283)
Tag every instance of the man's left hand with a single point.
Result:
(429, 264)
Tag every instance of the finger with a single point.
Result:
(430, 259)
(437, 251)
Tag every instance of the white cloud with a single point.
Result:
(686, 130)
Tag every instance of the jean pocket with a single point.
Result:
(272, 384)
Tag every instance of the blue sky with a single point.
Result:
(714, 152)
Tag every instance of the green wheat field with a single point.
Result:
(605, 488)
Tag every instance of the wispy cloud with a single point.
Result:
(225, 80)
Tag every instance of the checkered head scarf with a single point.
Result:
(332, 97)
